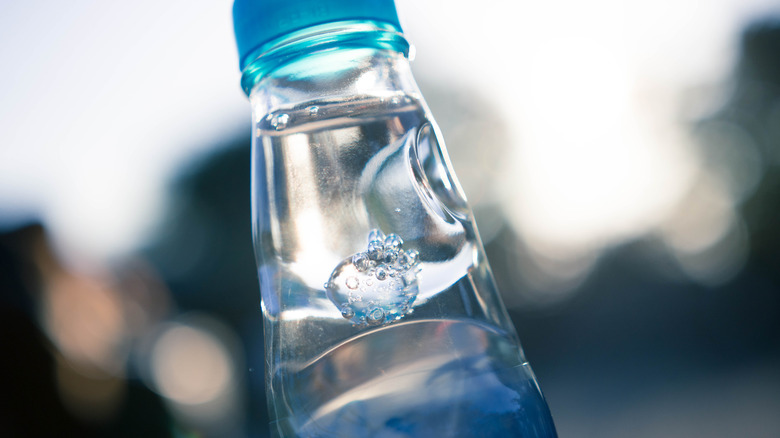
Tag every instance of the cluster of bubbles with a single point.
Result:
(377, 285)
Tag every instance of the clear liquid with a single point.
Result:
(361, 343)
(434, 378)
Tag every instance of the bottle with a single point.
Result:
(381, 315)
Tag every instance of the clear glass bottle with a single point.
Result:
(381, 314)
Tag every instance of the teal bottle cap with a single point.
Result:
(256, 22)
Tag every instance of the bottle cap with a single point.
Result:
(257, 22)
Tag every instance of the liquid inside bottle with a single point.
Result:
(381, 315)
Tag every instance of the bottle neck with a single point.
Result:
(326, 68)
(331, 37)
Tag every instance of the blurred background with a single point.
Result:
(623, 162)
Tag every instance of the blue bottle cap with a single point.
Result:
(256, 22)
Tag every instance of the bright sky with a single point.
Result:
(100, 102)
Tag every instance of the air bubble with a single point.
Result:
(376, 316)
(361, 261)
(280, 122)
(376, 234)
(375, 250)
(381, 274)
(393, 242)
(352, 282)
(347, 312)
(313, 110)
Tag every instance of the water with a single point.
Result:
(329, 173)
(382, 318)
(429, 378)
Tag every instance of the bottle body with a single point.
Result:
(381, 315)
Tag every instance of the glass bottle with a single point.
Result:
(381, 315)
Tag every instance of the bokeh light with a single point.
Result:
(190, 366)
